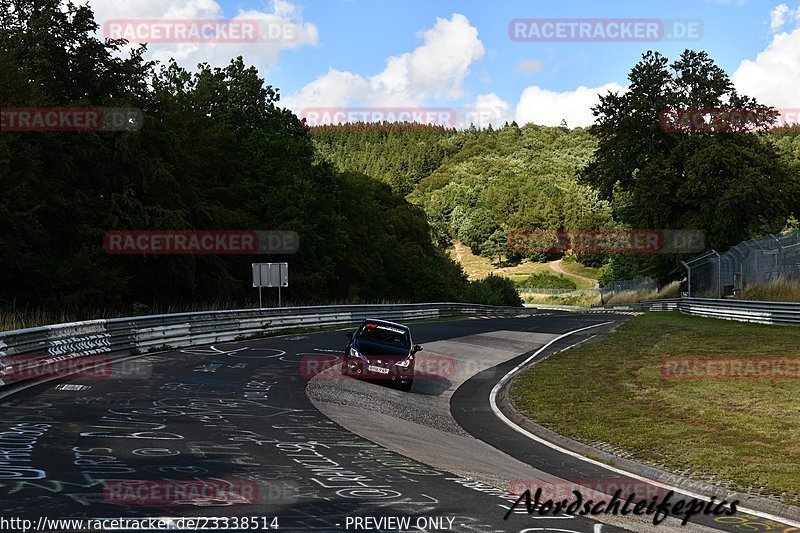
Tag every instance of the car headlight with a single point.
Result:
(354, 353)
(405, 363)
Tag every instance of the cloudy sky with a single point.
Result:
(460, 54)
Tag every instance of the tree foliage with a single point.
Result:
(494, 290)
(374, 205)
(731, 184)
(399, 154)
(476, 186)
(216, 151)
(626, 171)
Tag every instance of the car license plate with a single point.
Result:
(378, 369)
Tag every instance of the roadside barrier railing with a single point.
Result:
(773, 313)
(29, 352)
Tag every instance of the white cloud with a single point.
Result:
(264, 54)
(529, 66)
(484, 110)
(774, 75)
(778, 17)
(549, 108)
(434, 70)
(336, 88)
(158, 9)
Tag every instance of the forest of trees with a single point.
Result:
(374, 205)
(486, 182)
(733, 184)
(216, 152)
(625, 171)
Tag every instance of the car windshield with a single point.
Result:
(383, 334)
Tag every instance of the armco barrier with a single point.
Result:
(773, 313)
(49, 345)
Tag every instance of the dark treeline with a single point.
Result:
(399, 154)
(374, 204)
(216, 151)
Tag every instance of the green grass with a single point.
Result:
(569, 264)
(580, 298)
(746, 432)
(477, 267)
(580, 282)
(544, 281)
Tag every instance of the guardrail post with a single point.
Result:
(689, 276)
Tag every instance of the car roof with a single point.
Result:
(387, 323)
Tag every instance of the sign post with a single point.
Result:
(270, 275)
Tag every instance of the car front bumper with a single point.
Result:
(369, 370)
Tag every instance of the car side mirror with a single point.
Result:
(349, 334)
(417, 348)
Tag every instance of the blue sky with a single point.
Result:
(358, 36)
(341, 60)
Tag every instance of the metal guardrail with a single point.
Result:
(26, 352)
(773, 313)
(616, 307)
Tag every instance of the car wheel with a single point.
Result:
(406, 386)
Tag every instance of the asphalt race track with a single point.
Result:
(237, 416)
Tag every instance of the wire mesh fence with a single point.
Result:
(535, 290)
(757, 261)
